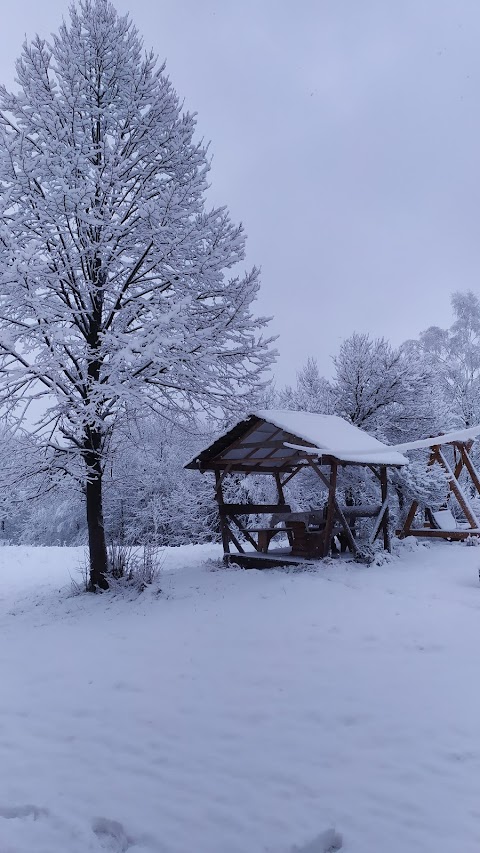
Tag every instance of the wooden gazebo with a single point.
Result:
(282, 444)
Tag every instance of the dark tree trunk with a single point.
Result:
(94, 439)
(96, 530)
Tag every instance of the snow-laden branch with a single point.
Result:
(116, 284)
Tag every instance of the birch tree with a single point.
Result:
(117, 282)
(454, 355)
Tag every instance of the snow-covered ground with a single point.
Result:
(242, 712)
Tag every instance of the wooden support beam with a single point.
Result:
(253, 509)
(223, 474)
(471, 469)
(336, 507)
(449, 535)
(457, 491)
(235, 541)
(272, 447)
(255, 466)
(244, 532)
(319, 472)
(378, 522)
(223, 522)
(332, 488)
(346, 526)
(241, 443)
(386, 515)
(292, 474)
(256, 445)
(282, 502)
(467, 445)
(459, 466)
(238, 441)
(407, 525)
(279, 485)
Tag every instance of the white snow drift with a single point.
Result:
(242, 712)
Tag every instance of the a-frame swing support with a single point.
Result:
(464, 460)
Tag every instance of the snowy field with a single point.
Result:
(242, 712)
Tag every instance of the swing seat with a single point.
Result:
(444, 519)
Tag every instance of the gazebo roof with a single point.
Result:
(263, 443)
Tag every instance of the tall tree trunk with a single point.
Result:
(96, 530)
(94, 439)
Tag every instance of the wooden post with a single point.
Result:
(243, 532)
(337, 508)
(346, 527)
(386, 516)
(471, 469)
(281, 500)
(457, 491)
(292, 474)
(223, 521)
(235, 541)
(280, 493)
(458, 462)
(332, 489)
(407, 525)
(406, 529)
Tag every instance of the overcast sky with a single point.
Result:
(345, 135)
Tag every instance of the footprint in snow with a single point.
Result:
(111, 835)
(327, 842)
(12, 812)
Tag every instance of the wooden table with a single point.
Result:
(308, 530)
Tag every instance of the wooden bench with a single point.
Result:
(266, 534)
(442, 519)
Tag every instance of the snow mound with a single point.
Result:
(328, 842)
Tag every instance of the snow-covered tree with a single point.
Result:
(386, 391)
(115, 283)
(312, 392)
(454, 356)
(149, 496)
(392, 394)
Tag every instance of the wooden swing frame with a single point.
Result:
(462, 461)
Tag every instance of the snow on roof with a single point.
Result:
(325, 435)
(334, 436)
(445, 438)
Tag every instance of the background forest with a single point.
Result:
(419, 389)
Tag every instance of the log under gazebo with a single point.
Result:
(282, 444)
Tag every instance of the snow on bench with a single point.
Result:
(445, 520)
